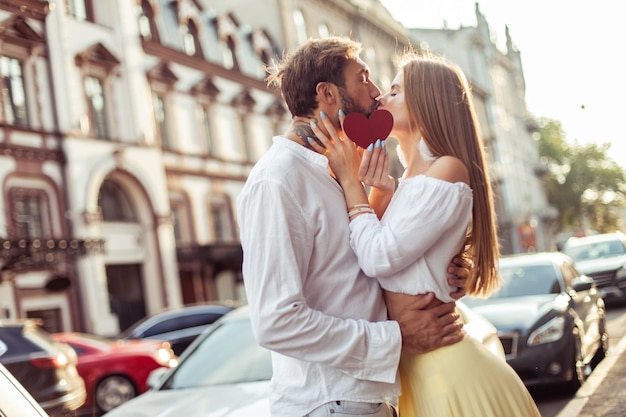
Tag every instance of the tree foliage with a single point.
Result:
(587, 187)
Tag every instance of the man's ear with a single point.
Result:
(326, 92)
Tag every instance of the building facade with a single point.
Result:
(128, 128)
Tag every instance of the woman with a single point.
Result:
(443, 204)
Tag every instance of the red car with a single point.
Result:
(115, 371)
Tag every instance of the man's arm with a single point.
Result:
(277, 241)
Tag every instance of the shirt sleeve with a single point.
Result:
(413, 224)
(278, 243)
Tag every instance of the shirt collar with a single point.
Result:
(302, 150)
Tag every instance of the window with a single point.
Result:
(80, 9)
(301, 32)
(191, 42)
(114, 203)
(13, 92)
(229, 60)
(29, 213)
(98, 67)
(97, 107)
(181, 218)
(323, 30)
(246, 134)
(147, 25)
(162, 81)
(205, 119)
(160, 118)
(222, 219)
(227, 34)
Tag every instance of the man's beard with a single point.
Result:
(350, 106)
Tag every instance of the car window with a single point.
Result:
(18, 343)
(165, 326)
(616, 247)
(228, 355)
(518, 281)
(595, 250)
(200, 319)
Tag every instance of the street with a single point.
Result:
(551, 401)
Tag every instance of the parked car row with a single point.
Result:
(547, 321)
(44, 367)
(550, 319)
(82, 374)
(225, 370)
(602, 257)
(115, 371)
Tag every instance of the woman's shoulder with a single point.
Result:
(449, 169)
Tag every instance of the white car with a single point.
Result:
(225, 373)
(15, 401)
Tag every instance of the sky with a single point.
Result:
(572, 56)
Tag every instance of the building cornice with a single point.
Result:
(35, 9)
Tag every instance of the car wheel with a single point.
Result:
(113, 391)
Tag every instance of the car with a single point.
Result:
(115, 371)
(178, 326)
(15, 401)
(603, 258)
(43, 366)
(550, 319)
(224, 372)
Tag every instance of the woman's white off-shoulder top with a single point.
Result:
(410, 248)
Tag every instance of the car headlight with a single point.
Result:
(549, 332)
(621, 273)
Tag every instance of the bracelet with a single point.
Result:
(360, 210)
(357, 206)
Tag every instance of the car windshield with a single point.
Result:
(228, 355)
(519, 281)
(595, 250)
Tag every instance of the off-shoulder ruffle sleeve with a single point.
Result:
(421, 212)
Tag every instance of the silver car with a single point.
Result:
(225, 373)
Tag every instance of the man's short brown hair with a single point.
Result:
(317, 60)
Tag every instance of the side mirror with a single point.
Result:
(156, 377)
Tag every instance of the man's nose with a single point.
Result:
(375, 91)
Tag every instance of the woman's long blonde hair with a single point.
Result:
(439, 101)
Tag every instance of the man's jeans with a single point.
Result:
(352, 409)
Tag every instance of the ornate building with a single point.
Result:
(128, 128)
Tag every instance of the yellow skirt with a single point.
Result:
(462, 380)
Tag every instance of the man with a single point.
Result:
(333, 349)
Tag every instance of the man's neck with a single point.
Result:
(300, 130)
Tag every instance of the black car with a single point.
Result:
(46, 368)
(603, 258)
(15, 401)
(550, 319)
(179, 326)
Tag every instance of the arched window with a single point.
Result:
(115, 204)
(147, 24)
(227, 33)
(300, 23)
(191, 42)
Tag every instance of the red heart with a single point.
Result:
(364, 131)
